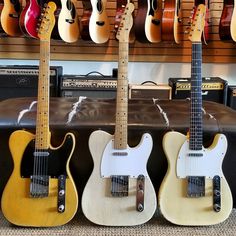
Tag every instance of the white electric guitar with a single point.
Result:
(119, 182)
(194, 190)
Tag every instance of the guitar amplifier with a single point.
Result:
(149, 91)
(94, 84)
(231, 99)
(22, 81)
(213, 89)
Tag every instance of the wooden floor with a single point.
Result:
(157, 226)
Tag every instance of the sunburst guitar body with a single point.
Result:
(68, 24)
(40, 191)
(194, 190)
(99, 27)
(10, 16)
(148, 21)
(171, 21)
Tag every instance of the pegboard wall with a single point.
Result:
(215, 51)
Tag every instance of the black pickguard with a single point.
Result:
(57, 159)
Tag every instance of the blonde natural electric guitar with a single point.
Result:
(68, 24)
(194, 190)
(40, 190)
(119, 182)
(99, 27)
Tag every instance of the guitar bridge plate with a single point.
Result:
(61, 195)
(140, 193)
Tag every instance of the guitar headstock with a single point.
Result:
(126, 23)
(197, 23)
(47, 21)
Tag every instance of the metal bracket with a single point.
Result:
(140, 193)
(61, 193)
(216, 194)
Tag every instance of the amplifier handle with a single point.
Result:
(148, 81)
(94, 72)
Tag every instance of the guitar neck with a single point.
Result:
(120, 136)
(196, 98)
(42, 139)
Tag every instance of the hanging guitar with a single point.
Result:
(10, 17)
(171, 21)
(85, 18)
(68, 24)
(233, 24)
(148, 21)
(119, 181)
(40, 191)
(194, 190)
(29, 18)
(225, 20)
(99, 27)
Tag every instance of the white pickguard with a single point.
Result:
(129, 161)
(208, 165)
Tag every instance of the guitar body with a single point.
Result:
(153, 21)
(29, 18)
(225, 21)
(171, 21)
(85, 18)
(233, 23)
(139, 21)
(174, 204)
(10, 17)
(17, 205)
(99, 27)
(116, 211)
(68, 25)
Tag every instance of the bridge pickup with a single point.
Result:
(61, 193)
(140, 193)
(216, 193)
(119, 185)
(39, 186)
(196, 186)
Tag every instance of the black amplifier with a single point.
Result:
(231, 100)
(93, 85)
(22, 81)
(213, 89)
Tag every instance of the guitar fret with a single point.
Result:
(196, 98)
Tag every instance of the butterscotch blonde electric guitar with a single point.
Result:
(194, 190)
(119, 182)
(40, 191)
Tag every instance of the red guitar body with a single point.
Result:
(29, 18)
(225, 20)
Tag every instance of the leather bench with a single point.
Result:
(84, 115)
